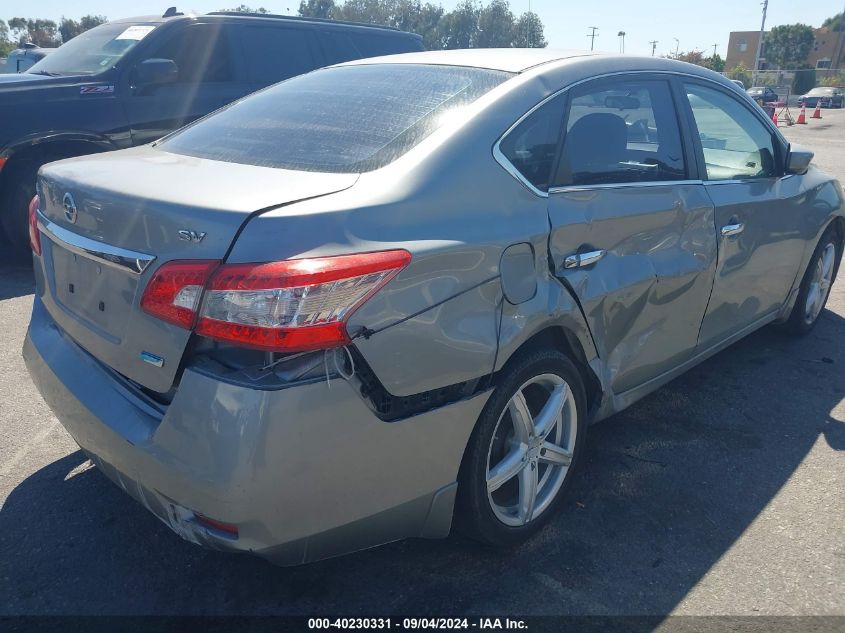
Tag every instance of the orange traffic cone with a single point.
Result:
(775, 116)
(817, 113)
(802, 116)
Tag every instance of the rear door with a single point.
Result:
(758, 210)
(276, 53)
(632, 233)
(210, 76)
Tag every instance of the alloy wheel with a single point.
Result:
(531, 450)
(820, 283)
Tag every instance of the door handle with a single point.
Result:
(583, 259)
(732, 229)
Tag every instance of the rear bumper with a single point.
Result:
(305, 472)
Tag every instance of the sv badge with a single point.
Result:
(191, 236)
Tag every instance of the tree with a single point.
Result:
(741, 73)
(690, 57)
(317, 8)
(528, 31)
(38, 31)
(460, 27)
(787, 46)
(242, 8)
(716, 63)
(6, 45)
(836, 23)
(495, 25)
(71, 28)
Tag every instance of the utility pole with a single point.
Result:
(765, 4)
(715, 46)
(677, 46)
(621, 35)
(592, 35)
(653, 46)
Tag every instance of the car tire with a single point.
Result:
(15, 208)
(548, 386)
(816, 284)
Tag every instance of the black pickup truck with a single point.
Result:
(131, 81)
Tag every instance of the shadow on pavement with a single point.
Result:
(668, 486)
(16, 277)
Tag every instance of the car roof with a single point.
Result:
(512, 60)
(519, 60)
(256, 17)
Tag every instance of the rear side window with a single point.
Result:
(375, 44)
(346, 119)
(202, 53)
(275, 54)
(736, 144)
(338, 47)
(531, 146)
(621, 131)
(343, 46)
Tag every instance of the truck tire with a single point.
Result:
(15, 207)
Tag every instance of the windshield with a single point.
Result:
(347, 119)
(93, 51)
(816, 92)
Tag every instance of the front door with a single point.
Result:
(631, 235)
(209, 78)
(758, 214)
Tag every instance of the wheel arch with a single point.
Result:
(45, 148)
(564, 339)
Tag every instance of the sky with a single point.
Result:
(696, 24)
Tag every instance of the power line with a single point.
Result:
(765, 4)
(592, 35)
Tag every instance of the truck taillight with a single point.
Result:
(34, 233)
(287, 306)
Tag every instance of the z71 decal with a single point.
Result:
(96, 90)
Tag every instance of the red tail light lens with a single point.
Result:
(34, 233)
(294, 305)
(174, 292)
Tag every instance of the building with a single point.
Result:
(828, 50)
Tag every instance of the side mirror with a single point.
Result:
(155, 72)
(798, 159)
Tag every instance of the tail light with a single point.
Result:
(34, 233)
(288, 306)
(174, 292)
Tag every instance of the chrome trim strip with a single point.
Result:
(123, 259)
(625, 185)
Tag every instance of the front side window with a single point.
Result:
(736, 144)
(531, 146)
(621, 131)
(346, 119)
(94, 51)
(201, 52)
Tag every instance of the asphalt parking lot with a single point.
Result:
(721, 493)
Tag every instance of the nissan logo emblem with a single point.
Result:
(70, 208)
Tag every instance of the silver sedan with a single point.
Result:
(386, 298)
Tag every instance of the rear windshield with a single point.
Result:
(346, 119)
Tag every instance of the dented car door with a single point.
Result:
(632, 235)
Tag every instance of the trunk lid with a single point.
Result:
(110, 220)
